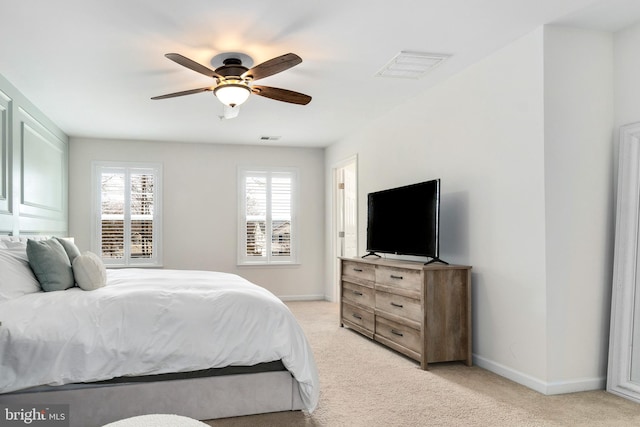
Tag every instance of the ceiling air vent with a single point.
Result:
(411, 65)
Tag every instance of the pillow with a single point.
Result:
(89, 271)
(16, 277)
(69, 247)
(50, 263)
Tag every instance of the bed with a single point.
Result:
(195, 343)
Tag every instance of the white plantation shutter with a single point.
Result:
(126, 218)
(255, 215)
(111, 224)
(281, 186)
(267, 216)
(142, 204)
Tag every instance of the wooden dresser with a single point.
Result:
(421, 311)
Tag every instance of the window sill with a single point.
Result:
(268, 264)
(117, 266)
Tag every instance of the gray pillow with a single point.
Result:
(70, 248)
(50, 263)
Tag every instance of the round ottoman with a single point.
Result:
(157, 420)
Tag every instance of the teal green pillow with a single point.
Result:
(50, 263)
(70, 248)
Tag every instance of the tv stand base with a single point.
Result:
(371, 254)
(431, 261)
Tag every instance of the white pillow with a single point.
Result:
(16, 277)
(89, 271)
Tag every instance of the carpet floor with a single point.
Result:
(366, 384)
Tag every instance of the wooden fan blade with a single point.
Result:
(283, 95)
(184, 92)
(191, 64)
(273, 66)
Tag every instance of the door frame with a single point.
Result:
(334, 290)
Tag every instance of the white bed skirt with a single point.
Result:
(199, 398)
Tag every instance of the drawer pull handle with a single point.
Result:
(357, 316)
(394, 332)
(396, 304)
(359, 270)
(357, 293)
(396, 277)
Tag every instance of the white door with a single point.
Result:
(346, 215)
(349, 211)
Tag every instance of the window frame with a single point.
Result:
(269, 259)
(100, 167)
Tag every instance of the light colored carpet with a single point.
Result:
(366, 384)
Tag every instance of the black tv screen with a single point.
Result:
(405, 220)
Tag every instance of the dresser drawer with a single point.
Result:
(357, 315)
(407, 308)
(410, 280)
(358, 270)
(358, 294)
(398, 333)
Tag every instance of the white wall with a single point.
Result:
(33, 168)
(523, 144)
(482, 133)
(578, 76)
(627, 70)
(200, 205)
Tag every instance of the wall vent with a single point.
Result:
(411, 65)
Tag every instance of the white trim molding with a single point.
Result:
(546, 388)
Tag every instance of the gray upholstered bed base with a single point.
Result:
(199, 398)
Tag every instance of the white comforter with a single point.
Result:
(149, 322)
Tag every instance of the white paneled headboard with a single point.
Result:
(24, 238)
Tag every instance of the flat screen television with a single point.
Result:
(405, 221)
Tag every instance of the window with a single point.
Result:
(127, 207)
(267, 224)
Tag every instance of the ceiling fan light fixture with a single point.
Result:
(232, 94)
(233, 79)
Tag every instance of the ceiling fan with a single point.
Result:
(233, 81)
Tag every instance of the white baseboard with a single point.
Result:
(301, 297)
(547, 388)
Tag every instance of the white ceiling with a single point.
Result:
(92, 65)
